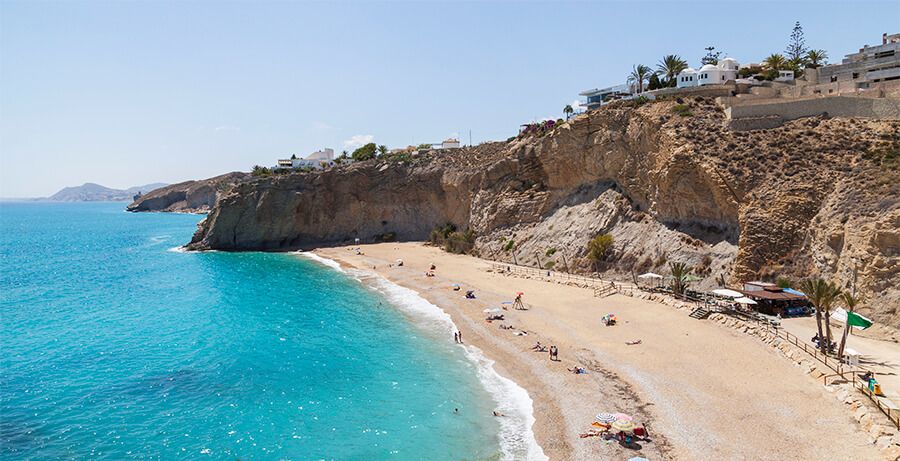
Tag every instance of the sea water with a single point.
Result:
(116, 347)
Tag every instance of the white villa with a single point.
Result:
(313, 160)
(451, 143)
(723, 72)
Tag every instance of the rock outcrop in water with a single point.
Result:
(189, 196)
(815, 196)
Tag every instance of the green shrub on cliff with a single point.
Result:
(599, 247)
(682, 109)
(452, 241)
(260, 171)
(364, 153)
(460, 242)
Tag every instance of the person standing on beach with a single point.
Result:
(456, 337)
(459, 334)
(554, 353)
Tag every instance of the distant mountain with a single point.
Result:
(90, 192)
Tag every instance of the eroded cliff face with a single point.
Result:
(815, 196)
(189, 196)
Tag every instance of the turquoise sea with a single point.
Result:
(117, 346)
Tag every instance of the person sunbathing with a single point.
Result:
(577, 370)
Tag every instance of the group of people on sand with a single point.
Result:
(552, 350)
(457, 337)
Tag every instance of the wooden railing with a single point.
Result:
(601, 287)
(595, 283)
(838, 367)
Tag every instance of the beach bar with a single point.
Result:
(774, 300)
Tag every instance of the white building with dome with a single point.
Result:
(687, 78)
(726, 70)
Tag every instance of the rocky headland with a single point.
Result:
(189, 196)
(667, 179)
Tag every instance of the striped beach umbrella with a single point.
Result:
(605, 418)
(622, 425)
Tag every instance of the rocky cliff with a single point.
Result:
(667, 179)
(189, 196)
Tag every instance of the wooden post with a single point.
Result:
(538, 256)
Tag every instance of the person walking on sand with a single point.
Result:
(456, 337)
(554, 353)
(459, 334)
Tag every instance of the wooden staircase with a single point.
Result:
(604, 290)
(700, 313)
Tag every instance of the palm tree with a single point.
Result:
(680, 272)
(639, 74)
(822, 295)
(568, 111)
(850, 302)
(816, 58)
(382, 149)
(670, 66)
(776, 62)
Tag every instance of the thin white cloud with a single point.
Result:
(358, 140)
(321, 126)
(227, 128)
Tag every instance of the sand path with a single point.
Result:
(710, 392)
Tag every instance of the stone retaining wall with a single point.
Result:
(835, 106)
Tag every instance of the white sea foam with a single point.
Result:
(324, 261)
(183, 249)
(516, 435)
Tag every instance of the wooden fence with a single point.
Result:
(603, 287)
(838, 367)
(600, 286)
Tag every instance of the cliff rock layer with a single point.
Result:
(189, 196)
(815, 196)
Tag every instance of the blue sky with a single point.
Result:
(127, 93)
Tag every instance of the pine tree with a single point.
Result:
(712, 56)
(796, 49)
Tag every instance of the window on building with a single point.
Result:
(856, 75)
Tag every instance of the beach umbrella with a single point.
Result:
(621, 425)
(745, 300)
(728, 293)
(622, 417)
(520, 293)
(605, 417)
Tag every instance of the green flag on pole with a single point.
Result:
(856, 320)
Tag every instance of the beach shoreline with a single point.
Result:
(664, 381)
(516, 438)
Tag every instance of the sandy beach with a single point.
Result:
(703, 391)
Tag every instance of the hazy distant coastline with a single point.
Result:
(90, 192)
